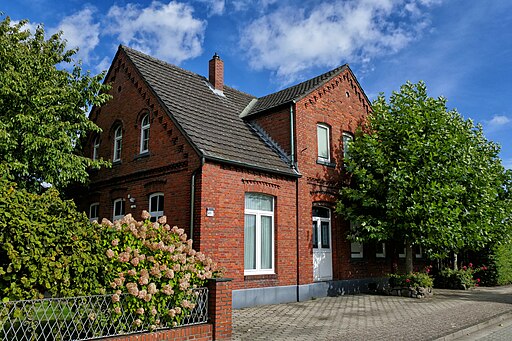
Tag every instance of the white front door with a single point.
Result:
(322, 250)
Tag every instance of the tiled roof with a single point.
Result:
(292, 93)
(211, 121)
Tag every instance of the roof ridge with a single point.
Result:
(163, 62)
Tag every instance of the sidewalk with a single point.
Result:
(446, 316)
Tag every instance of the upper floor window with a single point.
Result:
(118, 143)
(347, 139)
(322, 132)
(259, 234)
(95, 148)
(156, 206)
(144, 134)
(118, 209)
(94, 211)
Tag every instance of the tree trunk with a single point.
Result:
(408, 257)
(455, 261)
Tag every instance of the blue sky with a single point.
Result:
(461, 49)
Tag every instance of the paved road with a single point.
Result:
(446, 316)
(497, 331)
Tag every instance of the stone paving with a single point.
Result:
(373, 317)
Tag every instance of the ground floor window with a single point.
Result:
(259, 234)
(356, 248)
(380, 250)
(156, 206)
(118, 209)
(94, 211)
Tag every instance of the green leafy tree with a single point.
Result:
(43, 109)
(46, 246)
(423, 175)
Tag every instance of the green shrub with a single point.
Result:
(411, 280)
(462, 278)
(156, 266)
(503, 262)
(46, 246)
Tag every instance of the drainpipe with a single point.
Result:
(292, 133)
(292, 160)
(192, 198)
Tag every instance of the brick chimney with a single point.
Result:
(216, 72)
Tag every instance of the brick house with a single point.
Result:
(254, 181)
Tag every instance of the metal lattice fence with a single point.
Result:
(79, 318)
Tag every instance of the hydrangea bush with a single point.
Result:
(156, 266)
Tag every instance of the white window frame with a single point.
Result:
(144, 134)
(327, 129)
(347, 138)
(118, 144)
(383, 253)
(417, 255)
(259, 213)
(356, 248)
(119, 216)
(96, 217)
(95, 148)
(317, 220)
(155, 214)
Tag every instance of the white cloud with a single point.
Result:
(166, 31)
(80, 30)
(497, 122)
(215, 7)
(31, 27)
(292, 39)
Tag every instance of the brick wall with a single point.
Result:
(201, 332)
(277, 125)
(222, 236)
(166, 168)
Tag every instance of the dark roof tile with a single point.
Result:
(210, 121)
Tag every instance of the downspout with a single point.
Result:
(192, 198)
(293, 165)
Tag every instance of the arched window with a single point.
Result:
(94, 210)
(156, 206)
(144, 134)
(95, 148)
(118, 143)
(118, 209)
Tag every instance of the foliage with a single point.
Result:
(411, 280)
(462, 278)
(423, 174)
(498, 270)
(43, 109)
(46, 246)
(503, 261)
(157, 266)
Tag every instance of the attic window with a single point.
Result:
(347, 94)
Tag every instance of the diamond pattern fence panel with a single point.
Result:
(79, 318)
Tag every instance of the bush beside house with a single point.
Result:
(46, 246)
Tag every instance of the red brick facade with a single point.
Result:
(173, 166)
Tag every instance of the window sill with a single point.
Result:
(142, 155)
(259, 277)
(325, 163)
(116, 163)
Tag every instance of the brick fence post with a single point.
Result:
(220, 307)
